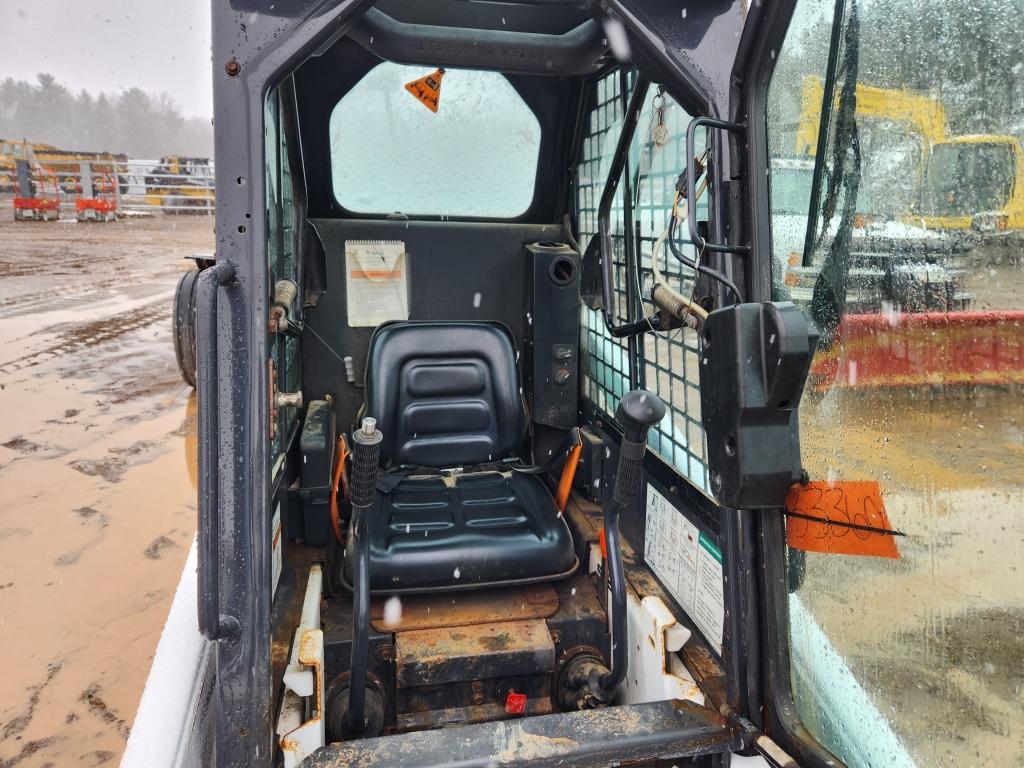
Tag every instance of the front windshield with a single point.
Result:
(906, 642)
(968, 178)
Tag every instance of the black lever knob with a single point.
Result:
(638, 411)
(365, 462)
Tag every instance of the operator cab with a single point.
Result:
(495, 264)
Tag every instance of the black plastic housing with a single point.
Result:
(754, 364)
(551, 370)
(317, 445)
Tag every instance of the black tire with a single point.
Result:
(184, 326)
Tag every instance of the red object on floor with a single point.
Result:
(515, 703)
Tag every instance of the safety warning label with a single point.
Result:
(377, 279)
(688, 563)
(275, 549)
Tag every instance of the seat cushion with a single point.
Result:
(436, 533)
(445, 394)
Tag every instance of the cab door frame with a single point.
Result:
(762, 40)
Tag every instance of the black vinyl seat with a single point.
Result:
(447, 395)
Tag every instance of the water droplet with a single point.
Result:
(456, 573)
(476, 299)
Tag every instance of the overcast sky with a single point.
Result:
(112, 45)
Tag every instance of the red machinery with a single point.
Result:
(97, 196)
(924, 349)
(38, 194)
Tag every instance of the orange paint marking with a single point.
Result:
(845, 509)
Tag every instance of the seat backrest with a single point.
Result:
(445, 394)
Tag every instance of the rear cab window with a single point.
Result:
(476, 157)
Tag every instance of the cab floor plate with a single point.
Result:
(459, 609)
(480, 651)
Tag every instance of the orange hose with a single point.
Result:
(339, 478)
(568, 474)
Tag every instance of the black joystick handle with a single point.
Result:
(638, 411)
(365, 469)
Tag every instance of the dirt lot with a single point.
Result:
(935, 638)
(96, 477)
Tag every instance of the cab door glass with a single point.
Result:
(898, 227)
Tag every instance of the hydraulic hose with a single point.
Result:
(708, 271)
(673, 302)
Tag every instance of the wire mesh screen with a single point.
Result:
(665, 363)
(607, 374)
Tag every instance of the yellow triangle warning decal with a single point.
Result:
(427, 90)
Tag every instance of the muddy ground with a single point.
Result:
(98, 492)
(936, 638)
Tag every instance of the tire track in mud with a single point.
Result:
(85, 335)
(70, 296)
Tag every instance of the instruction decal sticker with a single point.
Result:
(688, 563)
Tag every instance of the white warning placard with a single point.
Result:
(377, 280)
(276, 545)
(688, 563)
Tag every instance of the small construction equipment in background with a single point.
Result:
(98, 195)
(181, 185)
(37, 194)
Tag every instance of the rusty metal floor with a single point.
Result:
(460, 609)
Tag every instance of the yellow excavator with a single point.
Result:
(975, 183)
(923, 114)
(971, 184)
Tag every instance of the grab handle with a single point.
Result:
(691, 184)
(211, 624)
